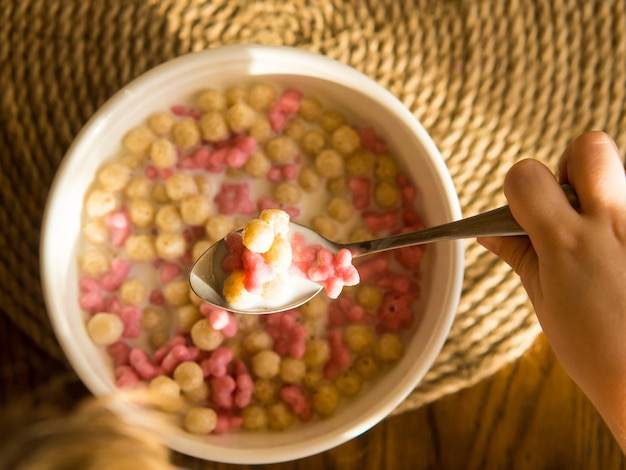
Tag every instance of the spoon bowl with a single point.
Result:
(207, 276)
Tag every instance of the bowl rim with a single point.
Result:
(329, 69)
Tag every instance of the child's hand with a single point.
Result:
(573, 265)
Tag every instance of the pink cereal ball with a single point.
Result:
(105, 328)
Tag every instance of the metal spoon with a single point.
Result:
(207, 277)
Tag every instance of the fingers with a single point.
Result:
(538, 203)
(593, 166)
(518, 253)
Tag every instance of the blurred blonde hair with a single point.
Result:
(91, 437)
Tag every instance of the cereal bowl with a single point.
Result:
(359, 99)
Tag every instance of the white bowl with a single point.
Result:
(173, 82)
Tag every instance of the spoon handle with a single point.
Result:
(497, 222)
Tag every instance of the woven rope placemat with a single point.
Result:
(492, 82)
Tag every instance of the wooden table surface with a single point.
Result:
(529, 415)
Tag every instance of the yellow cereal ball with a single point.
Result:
(186, 133)
(187, 316)
(278, 220)
(309, 179)
(340, 209)
(195, 209)
(315, 308)
(360, 163)
(141, 212)
(234, 291)
(161, 123)
(138, 140)
(168, 218)
(164, 393)
(386, 194)
(280, 416)
(261, 96)
(99, 203)
(153, 318)
(292, 370)
(385, 167)
(132, 161)
(199, 248)
(280, 254)
(170, 245)
(310, 109)
(181, 185)
(199, 394)
(96, 232)
(325, 226)
(348, 383)
(133, 292)
(257, 165)
(240, 117)
(312, 379)
(274, 289)
(369, 296)
(358, 337)
(188, 375)
(389, 347)
(159, 194)
(317, 352)
(337, 186)
(261, 130)
(287, 193)
(213, 127)
(345, 140)
(140, 248)
(114, 176)
(361, 234)
(326, 399)
(200, 420)
(138, 187)
(95, 262)
(366, 366)
(176, 293)
(256, 341)
(211, 100)
(265, 390)
(313, 142)
(158, 337)
(329, 163)
(105, 328)
(266, 364)
(281, 149)
(163, 153)
(254, 418)
(295, 129)
(205, 188)
(236, 94)
(332, 120)
(257, 236)
(218, 226)
(206, 337)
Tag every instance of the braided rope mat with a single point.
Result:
(492, 82)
